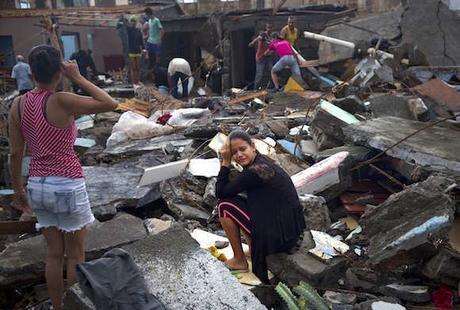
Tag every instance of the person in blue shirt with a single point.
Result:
(23, 76)
(155, 37)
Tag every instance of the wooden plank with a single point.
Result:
(17, 227)
(247, 97)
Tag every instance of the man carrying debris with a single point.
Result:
(179, 68)
(155, 38)
(289, 32)
(287, 59)
(22, 74)
(264, 63)
(135, 49)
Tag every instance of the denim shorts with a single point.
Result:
(289, 61)
(59, 202)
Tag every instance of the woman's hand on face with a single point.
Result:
(226, 153)
(70, 70)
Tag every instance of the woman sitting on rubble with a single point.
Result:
(271, 216)
(44, 119)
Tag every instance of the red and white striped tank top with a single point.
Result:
(51, 147)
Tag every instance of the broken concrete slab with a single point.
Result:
(389, 233)
(302, 266)
(114, 187)
(433, 147)
(327, 123)
(316, 212)
(279, 128)
(75, 299)
(202, 129)
(356, 153)
(147, 145)
(184, 276)
(17, 265)
(385, 25)
(185, 212)
(291, 165)
(444, 267)
(209, 197)
(391, 105)
(412, 293)
(338, 298)
(352, 104)
(433, 28)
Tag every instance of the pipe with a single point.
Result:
(320, 37)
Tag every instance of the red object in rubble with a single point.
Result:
(164, 119)
(442, 298)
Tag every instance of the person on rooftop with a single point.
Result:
(270, 215)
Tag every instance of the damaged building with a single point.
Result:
(368, 137)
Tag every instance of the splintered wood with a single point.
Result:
(149, 100)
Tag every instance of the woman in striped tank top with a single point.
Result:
(45, 120)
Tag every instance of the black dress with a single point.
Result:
(274, 208)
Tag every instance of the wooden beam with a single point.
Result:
(17, 227)
(247, 97)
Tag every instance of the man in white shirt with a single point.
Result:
(179, 69)
(22, 74)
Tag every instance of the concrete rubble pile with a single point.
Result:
(375, 160)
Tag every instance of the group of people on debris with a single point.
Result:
(278, 44)
(261, 201)
(147, 40)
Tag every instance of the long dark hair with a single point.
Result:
(240, 134)
(264, 167)
(44, 61)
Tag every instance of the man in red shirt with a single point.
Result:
(264, 63)
(288, 58)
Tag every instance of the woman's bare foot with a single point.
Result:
(234, 264)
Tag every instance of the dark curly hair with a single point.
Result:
(44, 61)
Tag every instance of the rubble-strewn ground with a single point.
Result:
(375, 160)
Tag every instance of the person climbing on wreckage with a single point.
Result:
(287, 59)
(44, 119)
(270, 217)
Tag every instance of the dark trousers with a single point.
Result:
(175, 79)
(263, 68)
